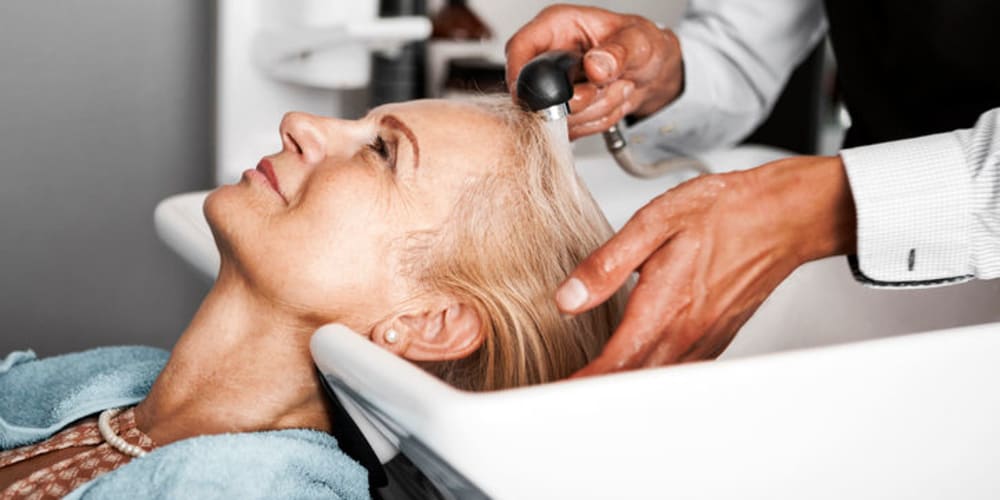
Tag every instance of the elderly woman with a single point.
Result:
(437, 229)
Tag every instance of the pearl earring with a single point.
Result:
(391, 336)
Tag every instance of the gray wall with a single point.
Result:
(105, 109)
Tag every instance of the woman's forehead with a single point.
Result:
(437, 114)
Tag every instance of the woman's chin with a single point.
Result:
(218, 210)
(220, 204)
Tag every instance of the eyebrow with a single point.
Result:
(392, 122)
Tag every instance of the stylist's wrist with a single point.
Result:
(814, 208)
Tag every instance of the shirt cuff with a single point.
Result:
(912, 199)
(680, 128)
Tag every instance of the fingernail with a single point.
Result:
(629, 87)
(571, 295)
(603, 61)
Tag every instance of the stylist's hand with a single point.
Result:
(632, 67)
(708, 253)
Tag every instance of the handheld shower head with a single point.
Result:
(545, 84)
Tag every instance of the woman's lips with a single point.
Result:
(267, 169)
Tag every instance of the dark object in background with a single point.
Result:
(457, 36)
(795, 119)
(474, 75)
(407, 482)
(908, 68)
(399, 77)
(456, 21)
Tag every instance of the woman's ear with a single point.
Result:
(451, 330)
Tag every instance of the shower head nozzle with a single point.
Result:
(545, 84)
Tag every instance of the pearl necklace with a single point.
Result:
(113, 439)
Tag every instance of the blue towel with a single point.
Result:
(40, 397)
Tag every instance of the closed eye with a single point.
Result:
(382, 149)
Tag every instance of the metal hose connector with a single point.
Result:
(618, 147)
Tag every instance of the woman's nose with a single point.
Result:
(302, 134)
(315, 137)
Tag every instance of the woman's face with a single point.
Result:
(321, 225)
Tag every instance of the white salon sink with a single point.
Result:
(820, 304)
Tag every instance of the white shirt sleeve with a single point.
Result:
(928, 209)
(737, 54)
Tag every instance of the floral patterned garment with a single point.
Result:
(60, 478)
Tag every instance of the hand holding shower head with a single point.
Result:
(545, 86)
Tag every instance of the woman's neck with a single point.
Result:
(242, 365)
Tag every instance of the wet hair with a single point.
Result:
(513, 237)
